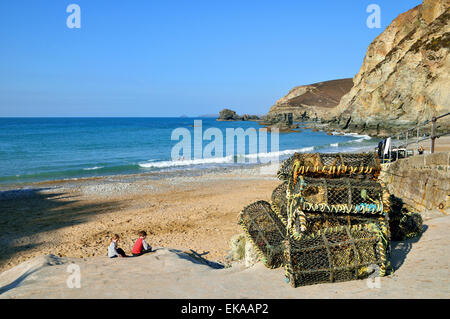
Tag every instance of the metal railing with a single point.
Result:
(408, 139)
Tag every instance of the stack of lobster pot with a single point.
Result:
(326, 222)
(336, 221)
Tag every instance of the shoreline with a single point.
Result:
(200, 168)
(153, 175)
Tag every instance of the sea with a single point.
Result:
(47, 149)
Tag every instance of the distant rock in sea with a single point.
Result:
(230, 115)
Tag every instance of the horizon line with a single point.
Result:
(24, 117)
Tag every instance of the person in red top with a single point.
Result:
(141, 247)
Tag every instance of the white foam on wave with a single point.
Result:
(212, 160)
(280, 153)
(359, 138)
(334, 145)
(92, 168)
(305, 149)
(356, 135)
(223, 160)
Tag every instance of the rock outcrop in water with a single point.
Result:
(283, 122)
(230, 115)
(404, 79)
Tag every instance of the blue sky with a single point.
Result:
(168, 58)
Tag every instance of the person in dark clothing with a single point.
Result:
(380, 149)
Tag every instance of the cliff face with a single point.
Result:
(404, 79)
(312, 101)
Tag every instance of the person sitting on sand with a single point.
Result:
(113, 251)
(141, 247)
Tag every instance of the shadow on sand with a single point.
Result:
(197, 258)
(401, 249)
(25, 213)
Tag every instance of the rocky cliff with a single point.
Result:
(311, 102)
(404, 79)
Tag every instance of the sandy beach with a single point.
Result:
(76, 218)
(47, 226)
(421, 271)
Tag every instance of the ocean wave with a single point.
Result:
(93, 168)
(225, 160)
(280, 153)
(165, 164)
(355, 135)
(334, 145)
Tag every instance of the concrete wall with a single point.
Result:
(422, 181)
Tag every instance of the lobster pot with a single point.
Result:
(316, 220)
(407, 225)
(266, 231)
(338, 194)
(364, 165)
(278, 202)
(335, 254)
(403, 224)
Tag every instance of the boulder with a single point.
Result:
(228, 115)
